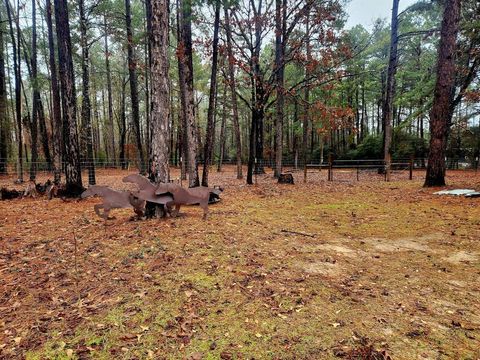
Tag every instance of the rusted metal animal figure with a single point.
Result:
(191, 196)
(146, 190)
(113, 199)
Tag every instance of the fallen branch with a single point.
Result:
(297, 233)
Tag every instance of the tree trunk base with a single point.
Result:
(154, 211)
(437, 182)
(71, 191)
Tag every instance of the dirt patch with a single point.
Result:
(462, 257)
(402, 244)
(322, 268)
(339, 249)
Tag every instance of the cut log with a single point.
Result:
(6, 194)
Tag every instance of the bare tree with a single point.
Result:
(233, 90)
(3, 108)
(18, 91)
(86, 106)
(35, 97)
(280, 24)
(132, 66)
(110, 133)
(211, 99)
(56, 109)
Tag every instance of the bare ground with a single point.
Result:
(315, 271)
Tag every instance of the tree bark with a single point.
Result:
(233, 90)
(185, 58)
(35, 97)
(18, 91)
(160, 96)
(132, 65)
(442, 108)
(222, 131)
(86, 106)
(73, 174)
(387, 113)
(56, 110)
(148, 64)
(255, 161)
(207, 151)
(4, 128)
(279, 80)
(306, 115)
(110, 132)
(123, 127)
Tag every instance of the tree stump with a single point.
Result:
(286, 179)
(153, 210)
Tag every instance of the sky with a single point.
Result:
(366, 11)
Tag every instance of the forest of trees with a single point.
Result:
(154, 84)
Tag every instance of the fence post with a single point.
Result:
(305, 173)
(330, 167)
(358, 172)
(411, 168)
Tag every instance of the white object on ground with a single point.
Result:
(456, 192)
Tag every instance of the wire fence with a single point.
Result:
(335, 168)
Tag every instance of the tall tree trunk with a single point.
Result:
(253, 130)
(132, 66)
(183, 107)
(222, 130)
(185, 57)
(86, 106)
(233, 90)
(279, 80)
(160, 97)
(18, 91)
(387, 113)
(306, 115)
(42, 121)
(148, 64)
(56, 109)
(258, 104)
(42, 127)
(73, 173)
(207, 151)
(442, 108)
(364, 124)
(110, 132)
(4, 128)
(123, 126)
(35, 96)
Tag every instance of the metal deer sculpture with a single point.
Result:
(113, 199)
(191, 196)
(146, 190)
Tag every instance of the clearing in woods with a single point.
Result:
(316, 270)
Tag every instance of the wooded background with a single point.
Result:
(257, 82)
